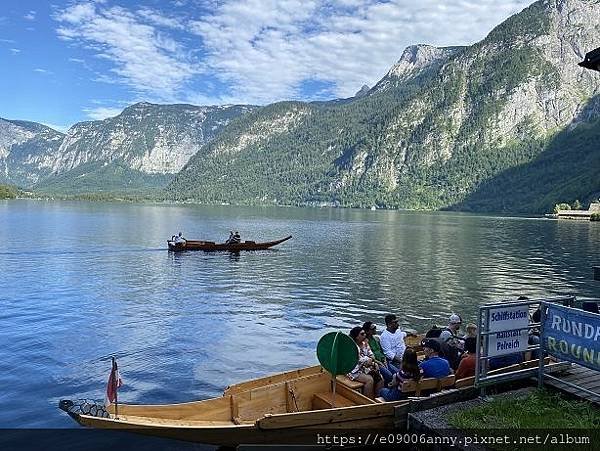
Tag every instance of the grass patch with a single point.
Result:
(539, 409)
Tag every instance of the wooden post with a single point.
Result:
(596, 272)
(333, 397)
(542, 341)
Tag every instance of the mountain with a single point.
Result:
(24, 146)
(414, 60)
(363, 91)
(568, 168)
(438, 131)
(139, 149)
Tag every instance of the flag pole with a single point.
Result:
(116, 386)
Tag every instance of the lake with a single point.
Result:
(83, 281)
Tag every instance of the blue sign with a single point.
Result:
(573, 335)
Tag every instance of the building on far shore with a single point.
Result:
(579, 214)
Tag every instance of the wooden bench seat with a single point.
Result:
(354, 385)
(465, 382)
(325, 401)
(427, 385)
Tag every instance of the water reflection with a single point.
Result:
(94, 280)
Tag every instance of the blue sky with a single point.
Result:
(69, 61)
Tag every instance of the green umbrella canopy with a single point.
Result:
(337, 353)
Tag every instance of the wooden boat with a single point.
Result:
(211, 246)
(278, 409)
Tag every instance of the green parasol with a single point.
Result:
(338, 354)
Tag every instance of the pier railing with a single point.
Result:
(505, 330)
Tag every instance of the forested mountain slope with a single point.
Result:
(442, 125)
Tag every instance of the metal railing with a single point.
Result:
(482, 357)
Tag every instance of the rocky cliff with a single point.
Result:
(145, 140)
(22, 145)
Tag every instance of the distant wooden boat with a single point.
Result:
(211, 246)
(277, 409)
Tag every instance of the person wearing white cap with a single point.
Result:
(450, 334)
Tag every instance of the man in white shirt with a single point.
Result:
(392, 341)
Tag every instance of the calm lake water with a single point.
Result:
(82, 281)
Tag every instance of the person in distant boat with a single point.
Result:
(234, 238)
(179, 238)
(230, 239)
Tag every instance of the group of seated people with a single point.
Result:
(385, 362)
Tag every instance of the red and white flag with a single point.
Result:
(114, 382)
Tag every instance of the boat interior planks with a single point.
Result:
(214, 409)
(272, 379)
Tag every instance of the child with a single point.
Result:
(408, 370)
(471, 331)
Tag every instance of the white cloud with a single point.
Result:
(266, 49)
(157, 18)
(15, 51)
(78, 13)
(142, 56)
(101, 112)
(30, 15)
(42, 71)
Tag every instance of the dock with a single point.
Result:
(582, 376)
(578, 214)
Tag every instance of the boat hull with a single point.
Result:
(210, 246)
(368, 418)
(286, 408)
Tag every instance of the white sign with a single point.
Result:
(504, 321)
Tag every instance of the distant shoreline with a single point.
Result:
(319, 205)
